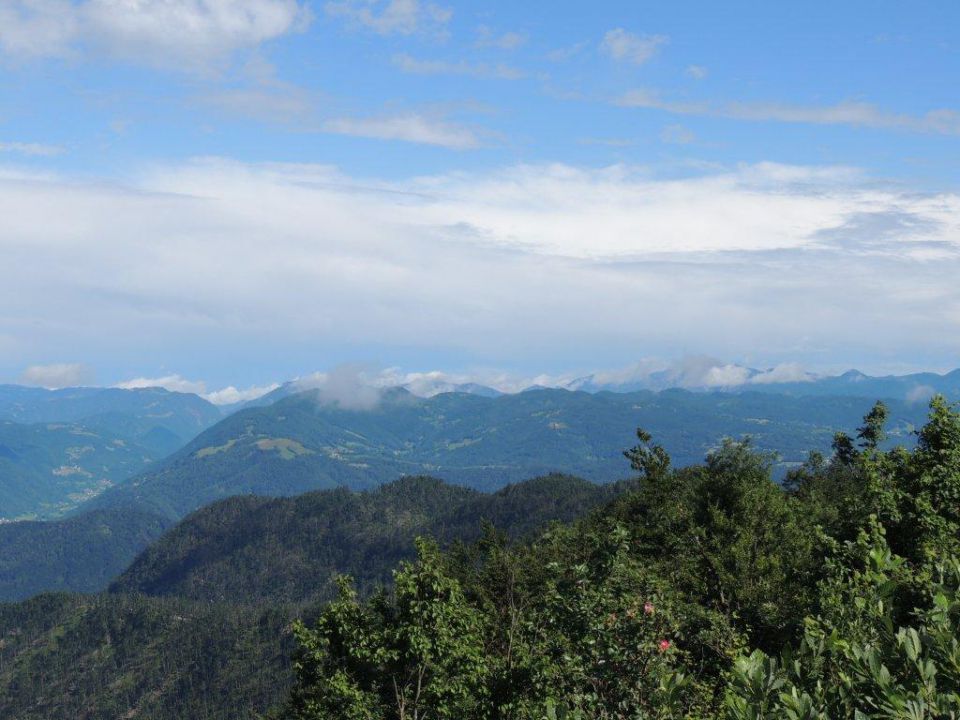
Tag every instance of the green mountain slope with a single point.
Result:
(81, 554)
(59, 448)
(253, 549)
(297, 444)
(126, 654)
(47, 469)
(74, 657)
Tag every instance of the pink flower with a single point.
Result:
(664, 645)
(648, 608)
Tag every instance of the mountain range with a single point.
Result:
(61, 447)
(301, 443)
(210, 551)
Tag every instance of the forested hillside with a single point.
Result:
(300, 444)
(182, 414)
(48, 469)
(81, 554)
(218, 643)
(103, 657)
(707, 593)
(251, 549)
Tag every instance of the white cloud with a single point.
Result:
(173, 383)
(408, 128)
(726, 376)
(696, 372)
(920, 394)
(502, 41)
(569, 52)
(270, 104)
(783, 373)
(192, 35)
(857, 114)
(349, 386)
(231, 395)
(31, 149)
(697, 72)
(392, 17)
(58, 375)
(504, 266)
(677, 135)
(38, 28)
(624, 46)
(414, 66)
(177, 383)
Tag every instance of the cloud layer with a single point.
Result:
(410, 127)
(624, 46)
(857, 114)
(392, 17)
(57, 375)
(588, 267)
(175, 383)
(182, 34)
(30, 149)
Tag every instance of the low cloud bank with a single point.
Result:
(505, 267)
(57, 375)
(175, 383)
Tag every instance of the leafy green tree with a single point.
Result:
(729, 537)
(927, 484)
(707, 592)
(843, 448)
(415, 655)
(873, 431)
(652, 461)
(855, 660)
(603, 639)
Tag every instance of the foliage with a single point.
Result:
(599, 641)
(250, 549)
(673, 601)
(234, 577)
(857, 661)
(80, 554)
(415, 654)
(72, 657)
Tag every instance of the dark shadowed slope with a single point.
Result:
(103, 657)
(253, 549)
(81, 554)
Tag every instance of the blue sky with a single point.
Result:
(240, 191)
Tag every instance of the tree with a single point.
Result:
(856, 659)
(843, 450)
(652, 461)
(873, 431)
(415, 655)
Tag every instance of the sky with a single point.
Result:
(213, 194)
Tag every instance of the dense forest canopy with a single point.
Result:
(708, 592)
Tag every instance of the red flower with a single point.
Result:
(664, 645)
